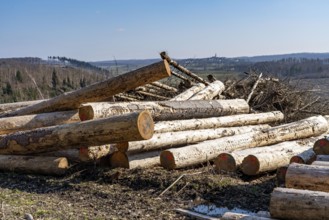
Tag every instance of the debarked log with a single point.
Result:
(296, 204)
(217, 122)
(166, 110)
(100, 91)
(311, 177)
(29, 122)
(34, 164)
(209, 92)
(208, 150)
(189, 92)
(123, 128)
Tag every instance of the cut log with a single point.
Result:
(144, 160)
(189, 92)
(306, 157)
(70, 154)
(311, 177)
(208, 93)
(230, 162)
(158, 97)
(321, 146)
(224, 121)
(28, 122)
(298, 204)
(118, 159)
(237, 216)
(34, 164)
(7, 107)
(321, 163)
(97, 152)
(194, 215)
(129, 127)
(322, 157)
(208, 150)
(166, 110)
(180, 138)
(99, 91)
(186, 80)
(125, 97)
(165, 56)
(281, 176)
(164, 86)
(263, 162)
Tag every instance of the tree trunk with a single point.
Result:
(209, 92)
(129, 127)
(298, 204)
(237, 216)
(311, 177)
(144, 160)
(263, 162)
(97, 152)
(34, 164)
(224, 121)
(125, 97)
(208, 150)
(166, 110)
(306, 157)
(164, 86)
(321, 163)
(189, 92)
(7, 107)
(100, 91)
(322, 158)
(180, 138)
(29, 122)
(321, 146)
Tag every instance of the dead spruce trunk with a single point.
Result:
(34, 164)
(29, 122)
(99, 91)
(224, 121)
(189, 92)
(166, 110)
(311, 177)
(298, 204)
(180, 138)
(129, 127)
(209, 92)
(208, 150)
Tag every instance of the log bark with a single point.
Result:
(306, 157)
(224, 121)
(144, 160)
(166, 110)
(34, 164)
(311, 177)
(164, 86)
(96, 152)
(298, 204)
(237, 216)
(322, 157)
(189, 92)
(7, 107)
(129, 127)
(208, 93)
(321, 146)
(180, 138)
(321, 163)
(165, 56)
(208, 150)
(263, 162)
(99, 91)
(29, 122)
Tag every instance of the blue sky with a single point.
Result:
(137, 29)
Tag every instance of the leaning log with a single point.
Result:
(224, 121)
(189, 92)
(321, 146)
(311, 177)
(306, 157)
(166, 110)
(255, 164)
(322, 157)
(29, 122)
(208, 150)
(240, 216)
(180, 138)
(129, 127)
(208, 93)
(296, 204)
(34, 164)
(99, 91)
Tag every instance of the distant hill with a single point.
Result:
(265, 58)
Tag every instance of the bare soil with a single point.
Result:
(92, 192)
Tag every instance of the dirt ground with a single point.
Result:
(91, 192)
